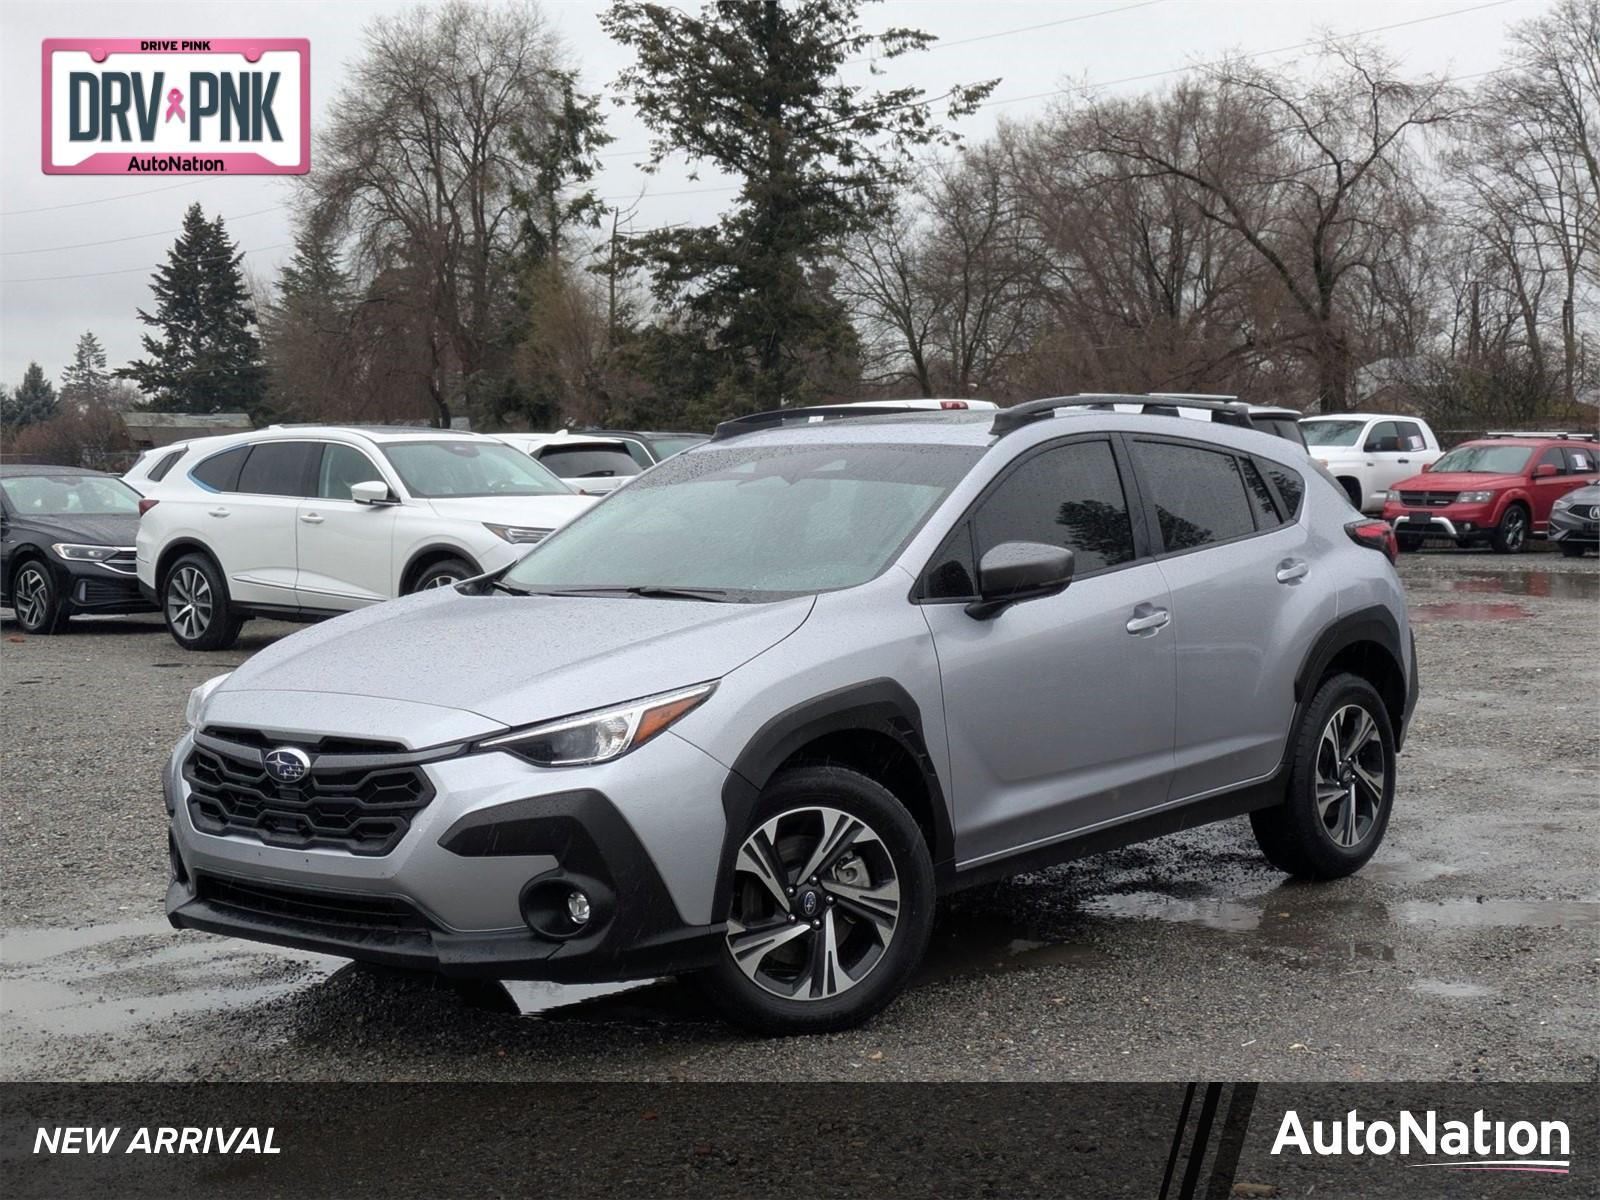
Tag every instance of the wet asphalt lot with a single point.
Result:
(1468, 949)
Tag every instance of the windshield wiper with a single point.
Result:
(648, 590)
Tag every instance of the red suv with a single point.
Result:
(1497, 489)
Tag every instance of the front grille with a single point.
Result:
(365, 809)
(338, 910)
(123, 561)
(1427, 499)
(258, 740)
(1585, 512)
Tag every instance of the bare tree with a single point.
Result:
(418, 169)
(1328, 198)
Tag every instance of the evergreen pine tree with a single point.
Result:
(208, 358)
(86, 382)
(306, 332)
(32, 401)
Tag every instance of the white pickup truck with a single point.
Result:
(1368, 453)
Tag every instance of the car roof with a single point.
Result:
(972, 427)
(8, 470)
(1361, 416)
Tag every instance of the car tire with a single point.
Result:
(36, 599)
(1511, 535)
(1571, 549)
(1337, 810)
(1409, 543)
(444, 573)
(196, 606)
(870, 911)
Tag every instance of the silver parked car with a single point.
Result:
(750, 715)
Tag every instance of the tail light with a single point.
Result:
(146, 505)
(952, 404)
(1375, 535)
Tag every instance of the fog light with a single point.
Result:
(1468, 526)
(578, 907)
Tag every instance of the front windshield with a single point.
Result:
(752, 523)
(1332, 433)
(1485, 460)
(70, 496)
(435, 470)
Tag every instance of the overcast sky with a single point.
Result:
(52, 288)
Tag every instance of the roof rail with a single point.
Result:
(1559, 434)
(755, 422)
(1009, 420)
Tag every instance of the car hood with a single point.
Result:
(538, 512)
(88, 531)
(1455, 481)
(519, 659)
(1589, 494)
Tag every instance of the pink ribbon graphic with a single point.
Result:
(175, 105)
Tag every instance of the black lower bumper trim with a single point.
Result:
(518, 954)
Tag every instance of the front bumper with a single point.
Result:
(92, 588)
(464, 890)
(1567, 526)
(1457, 521)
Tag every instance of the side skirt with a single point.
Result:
(1221, 807)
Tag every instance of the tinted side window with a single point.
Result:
(1581, 460)
(1410, 434)
(220, 472)
(952, 573)
(277, 469)
(1383, 437)
(1291, 488)
(1198, 495)
(1068, 496)
(1266, 512)
(342, 468)
(159, 471)
(1554, 458)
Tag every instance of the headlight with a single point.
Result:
(521, 535)
(77, 553)
(1563, 503)
(1475, 497)
(197, 699)
(601, 735)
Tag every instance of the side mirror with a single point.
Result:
(372, 491)
(1016, 571)
(1545, 470)
(1426, 467)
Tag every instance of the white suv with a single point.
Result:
(1368, 453)
(595, 466)
(307, 522)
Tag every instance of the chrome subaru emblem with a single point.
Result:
(288, 764)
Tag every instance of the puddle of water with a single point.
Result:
(1549, 584)
(26, 946)
(1404, 872)
(58, 1009)
(1447, 990)
(1465, 913)
(1427, 613)
(1211, 913)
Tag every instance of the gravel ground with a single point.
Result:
(1469, 948)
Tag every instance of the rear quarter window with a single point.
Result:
(220, 472)
(1291, 487)
(159, 472)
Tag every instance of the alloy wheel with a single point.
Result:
(1516, 529)
(441, 581)
(816, 902)
(189, 602)
(30, 597)
(1352, 776)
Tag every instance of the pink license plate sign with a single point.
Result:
(173, 106)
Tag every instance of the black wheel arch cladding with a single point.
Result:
(878, 707)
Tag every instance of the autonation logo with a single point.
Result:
(1478, 1145)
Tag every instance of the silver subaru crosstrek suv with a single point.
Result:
(750, 716)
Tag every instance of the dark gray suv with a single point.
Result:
(750, 715)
